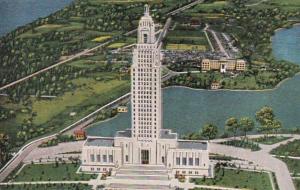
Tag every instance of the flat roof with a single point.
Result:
(167, 134)
(192, 145)
(126, 133)
(106, 142)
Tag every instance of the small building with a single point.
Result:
(223, 65)
(122, 109)
(215, 86)
(80, 134)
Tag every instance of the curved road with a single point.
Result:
(262, 158)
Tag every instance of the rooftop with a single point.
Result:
(126, 133)
(167, 134)
(192, 145)
(106, 142)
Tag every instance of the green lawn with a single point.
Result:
(89, 92)
(270, 140)
(297, 183)
(48, 187)
(242, 144)
(209, 7)
(290, 149)
(48, 172)
(238, 179)
(293, 164)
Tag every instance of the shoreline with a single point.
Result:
(285, 28)
(235, 90)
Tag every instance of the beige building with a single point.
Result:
(146, 149)
(223, 65)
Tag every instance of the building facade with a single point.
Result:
(223, 65)
(146, 143)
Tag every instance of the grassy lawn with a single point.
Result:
(270, 140)
(101, 38)
(186, 47)
(242, 144)
(49, 172)
(297, 183)
(208, 7)
(116, 45)
(238, 179)
(48, 187)
(290, 149)
(86, 93)
(292, 164)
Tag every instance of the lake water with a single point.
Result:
(14, 13)
(286, 44)
(186, 110)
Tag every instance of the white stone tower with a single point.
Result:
(146, 83)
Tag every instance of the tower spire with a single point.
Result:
(146, 12)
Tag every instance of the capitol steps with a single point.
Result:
(136, 176)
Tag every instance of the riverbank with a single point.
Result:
(235, 90)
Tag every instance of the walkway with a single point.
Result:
(262, 158)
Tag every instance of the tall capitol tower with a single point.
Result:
(146, 82)
(146, 145)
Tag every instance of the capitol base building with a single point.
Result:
(146, 148)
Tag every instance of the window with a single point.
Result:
(191, 161)
(111, 158)
(126, 158)
(163, 159)
(104, 158)
(184, 161)
(92, 157)
(98, 158)
(145, 38)
(178, 161)
(197, 163)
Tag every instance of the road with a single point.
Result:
(184, 7)
(262, 158)
(62, 62)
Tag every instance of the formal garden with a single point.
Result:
(47, 187)
(237, 178)
(290, 149)
(58, 171)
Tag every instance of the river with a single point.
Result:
(14, 13)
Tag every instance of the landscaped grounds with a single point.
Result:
(242, 144)
(270, 140)
(238, 179)
(51, 172)
(47, 187)
(290, 149)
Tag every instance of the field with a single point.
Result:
(189, 39)
(186, 47)
(290, 149)
(49, 172)
(101, 38)
(89, 91)
(211, 7)
(48, 187)
(242, 179)
(116, 45)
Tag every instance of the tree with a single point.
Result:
(232, 126)
(265, 115)
(209, 131)
(246, 125)
(277, 125)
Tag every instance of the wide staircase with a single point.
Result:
(139, 177)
